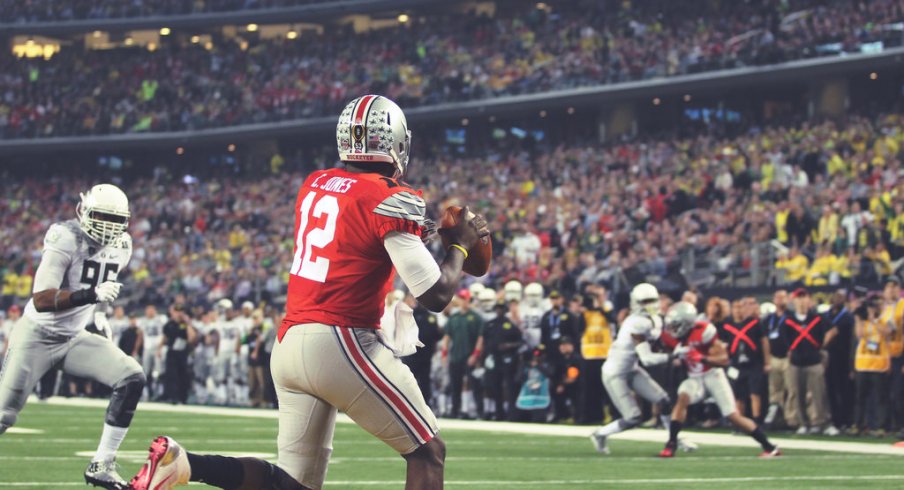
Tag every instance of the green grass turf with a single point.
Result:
(475, 459)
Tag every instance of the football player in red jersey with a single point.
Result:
(354, 226)
(697, 344)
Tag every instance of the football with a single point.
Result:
(478, 262)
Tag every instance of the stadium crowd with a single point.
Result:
(585, 221)
(48, 10)
(440, 59)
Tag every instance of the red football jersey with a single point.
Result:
(700, 338)
(341, 272)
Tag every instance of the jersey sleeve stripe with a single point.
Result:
(396, 207)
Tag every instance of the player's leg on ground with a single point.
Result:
(426, 466)
(618, 386)
(647, 388)
(169, 465)
(28, 358)
(690, 391)
(360, 376)
(750, 428)
(96, 358)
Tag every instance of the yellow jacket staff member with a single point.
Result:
(872, 363)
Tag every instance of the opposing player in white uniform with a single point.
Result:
(151, 325)
(531, 311)
(623, 375)
(486, 301)
(6, 329)
(243, 322)
(78, 269)
(225, 359)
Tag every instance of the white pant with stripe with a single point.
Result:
(319, 369)
(713, 383)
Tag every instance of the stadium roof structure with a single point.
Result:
(723, 81)
(309, 12)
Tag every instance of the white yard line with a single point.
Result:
(640, 435)
(522, 483)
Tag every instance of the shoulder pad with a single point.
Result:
(709, 333)
(124, 242)
(62, 237)
(404, 204)
(638, 325)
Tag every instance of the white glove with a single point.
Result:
(103, 324)
(107, 292)
(681, 351)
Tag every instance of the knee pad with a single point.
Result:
(124, 400)
(629, 422)
(665, 406)
(7, 420)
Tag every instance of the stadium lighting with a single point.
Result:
(195, 39)
(96, 34)
(129, 41)
(180, 150)
(152, 47)
(292, 34)
(657, 101)
(30, 42)
(873, 76)
(165, 31)
(230, 148)
(252, 28)
(403, 18)
(208, 45)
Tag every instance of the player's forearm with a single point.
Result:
(440, 294)
(51, 300)
(719, 360)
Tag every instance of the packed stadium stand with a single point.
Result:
(723, 148)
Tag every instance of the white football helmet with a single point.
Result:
(680, 319)
(767, 309)
(533, 294)
(103, 213)
(475, 289)
(645, 299)
(372, 129)
(486, 299)
(224, 305)
(513, 291)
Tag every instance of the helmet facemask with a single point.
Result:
(103, 213)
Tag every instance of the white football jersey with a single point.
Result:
(117, 327)
(622, 356)
(530, 322)
(152, 328)
(89, 264)
(6, 328)
(229, 331)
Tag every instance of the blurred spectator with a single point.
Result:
(503, 339)
(839, 385)
(806, 334)
(568, 367)
(892, 318)
(429, 334)
(872, 363)
(462, 345)
(178, 334)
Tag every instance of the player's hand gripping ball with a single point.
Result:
(473, 234)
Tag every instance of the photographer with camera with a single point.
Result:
(872, 362)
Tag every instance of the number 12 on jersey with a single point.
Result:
(305, 264)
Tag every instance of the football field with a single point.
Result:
(53, 442)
